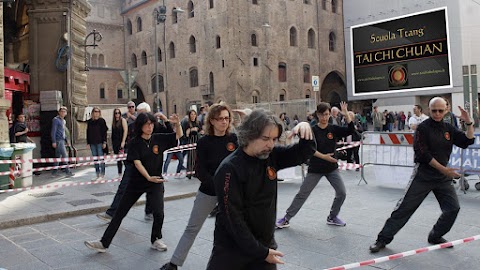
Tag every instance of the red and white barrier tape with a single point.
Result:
(352, 145)
(181, 148)
(178, 174)
(405, 254)
(71, 159)
(348, 166)
(62, 185)
(41, 169)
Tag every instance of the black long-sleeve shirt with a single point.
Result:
(435, 140)
(211, 150)
(326, 144)
(246, 188)
(96, 131)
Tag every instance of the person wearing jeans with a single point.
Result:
(59, 139)
(97, 140)
(180, 166)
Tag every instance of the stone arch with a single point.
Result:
(333, 89)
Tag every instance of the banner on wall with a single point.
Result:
(468, 160)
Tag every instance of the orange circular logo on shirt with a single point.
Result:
(155, 149)
(230, 146)
(271, 173)
(447, 136)
(330, 136)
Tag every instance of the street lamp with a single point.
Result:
(97, 37)
(160, 15)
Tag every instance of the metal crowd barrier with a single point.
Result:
(468, 162)
(386, 148)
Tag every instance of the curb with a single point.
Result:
(55, 216)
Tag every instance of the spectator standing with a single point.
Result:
(417, 117)
(20, 129)
(192, 133)
(119, 136)
(131, 114)
(378, 119)
(449, 117)
(59, 139)
(336, 117)
(97, 140)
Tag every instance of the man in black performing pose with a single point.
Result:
(246, 188)
(433, 144)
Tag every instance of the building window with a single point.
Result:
(282, 72)
(159, 55)
(102, 90)
(144, 58)
(311, 38)
(174, 108)
(255, 95)
(218, 42)
(306, 1)
(255, 62)
(331, 42)
(191, 12)
(94, 60)
(139, 24)
(119, 93)
(306, 74)
(129, 27)
(193, 46)
(334, 6)
(134, 60)
(223, 63)
(307, 94)
(211, 83)
(174, 16)
(255, 2)
(101, 60)
(324, 4)
(88, 60)
(210, 4)
(171, 50)
(282, 95)
(254, 40)
(161, 86)
(293, 36)
(193, 77)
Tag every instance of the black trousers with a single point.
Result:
(116, 150)
(155, 192)
(223, 258)
(352, 155)
(414, 196)
(121, 190)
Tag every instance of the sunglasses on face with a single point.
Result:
(131, 106)
(439, 111)
(220, 119)
(96, 111)
(117, 112)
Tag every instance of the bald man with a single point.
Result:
(433, 144)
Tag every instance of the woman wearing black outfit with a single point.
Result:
(97, 139)
(192, 131)
(217, 144)
(146, 154)
(119, 135)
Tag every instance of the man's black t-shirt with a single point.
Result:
(326, 144)
(20, 127)
(150, 153)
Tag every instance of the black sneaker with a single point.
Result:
(169, 266)
(379, 245)
(438, 241)
(214, 212)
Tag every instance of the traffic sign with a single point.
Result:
(316, 88)
(315, 80)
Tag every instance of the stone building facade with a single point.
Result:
(236, 51)
(106, 61)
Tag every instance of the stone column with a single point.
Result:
(53, 24)
(4, 104)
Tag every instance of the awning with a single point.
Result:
(16, 80)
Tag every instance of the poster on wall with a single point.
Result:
(408, 53)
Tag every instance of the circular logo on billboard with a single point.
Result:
(397, 75)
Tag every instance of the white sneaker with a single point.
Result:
(95, 245)
(179, 176)
(100, 178)
(159, 245)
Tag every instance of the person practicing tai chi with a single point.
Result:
(212, 148)
(145, 176)
(246, 188)
(432, 145)
(322, 164)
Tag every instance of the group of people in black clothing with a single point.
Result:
(238, 171)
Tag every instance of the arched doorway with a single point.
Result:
(333, 89)
(137, 94)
